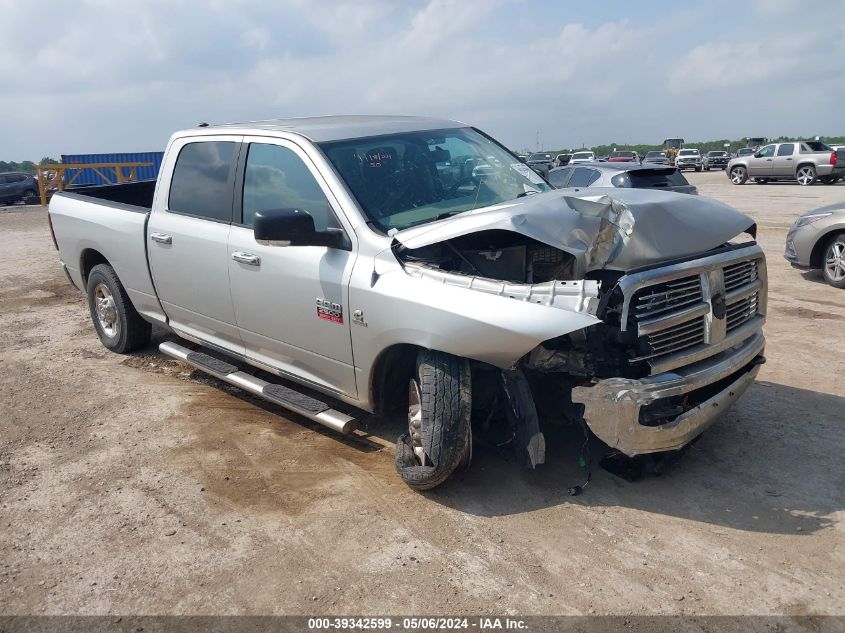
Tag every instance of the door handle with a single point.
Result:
(161, 238)
(768, 160)
(246, 258)
(788, 159)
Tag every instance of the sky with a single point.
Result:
(89, 76)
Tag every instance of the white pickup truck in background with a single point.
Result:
(402, 263)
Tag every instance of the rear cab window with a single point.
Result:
(203, 180)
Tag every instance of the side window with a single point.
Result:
(787, 149)
(583, 177)
(201, 182)
(276, 178)
(15, 178)
(766, 152)
(558, 176)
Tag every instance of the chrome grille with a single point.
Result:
(688, 311)
(739, 312)
(740, 274)
(653, 301)
(675, 338)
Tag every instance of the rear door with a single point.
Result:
(761, 164)
(188, 235)
(784, 160)
(291, 302)
(5, 188)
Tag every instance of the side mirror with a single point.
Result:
(294, 227)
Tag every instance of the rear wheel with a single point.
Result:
(738, 175)
(439, 436)
(828, 180)
(29, 193)
(833, 266)
(119, 326)
(806, 175)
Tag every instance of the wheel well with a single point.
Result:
(89, 259)
(818, 250)
(806, 164)
(394, 367)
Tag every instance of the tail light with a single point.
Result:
(833, 157)
(52, 232)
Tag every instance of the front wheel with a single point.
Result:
(698, 169)
(806, 175)
(439, 434)
(833, 268)
(119, 326)
(738, 175)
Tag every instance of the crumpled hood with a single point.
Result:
(614, 229)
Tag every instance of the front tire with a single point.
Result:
(833, 263)
(738, 175)
(806, 175)
(119, 326)
(439, 432)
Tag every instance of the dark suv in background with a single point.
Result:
(16, 186)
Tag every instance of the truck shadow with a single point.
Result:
(772, 464)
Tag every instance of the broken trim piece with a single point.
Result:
(576, 296)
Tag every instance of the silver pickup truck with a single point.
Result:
(415, 265)
(804, 161)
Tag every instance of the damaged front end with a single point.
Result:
(679, 311)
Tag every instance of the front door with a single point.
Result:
(187, 240)
(291, 302)
(760, 165)
(784, 163)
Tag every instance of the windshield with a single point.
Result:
(622, 154)
(582, 155)
(540, 157)
(402, 180)
(688, 152)
(673, 143)
(717, 153)
(656, 155)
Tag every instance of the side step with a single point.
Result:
(286, 397)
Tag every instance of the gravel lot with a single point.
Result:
(132, 485)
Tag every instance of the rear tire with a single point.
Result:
(833, 261)
(119, 326)
(439, 409)
(738, 175)
(828, 180)
(28, 194)
(806, 175)
(698, 169)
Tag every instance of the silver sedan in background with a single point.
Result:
(816, 240)
(635, 175)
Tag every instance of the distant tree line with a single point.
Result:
(25, 166)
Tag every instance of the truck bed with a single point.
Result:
(108, 223)
(136, 194)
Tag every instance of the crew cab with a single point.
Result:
(804, 161)
(411, 266)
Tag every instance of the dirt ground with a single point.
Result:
(133, 485)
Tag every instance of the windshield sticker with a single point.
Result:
(527, 172)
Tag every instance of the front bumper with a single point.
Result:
(612, 407)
